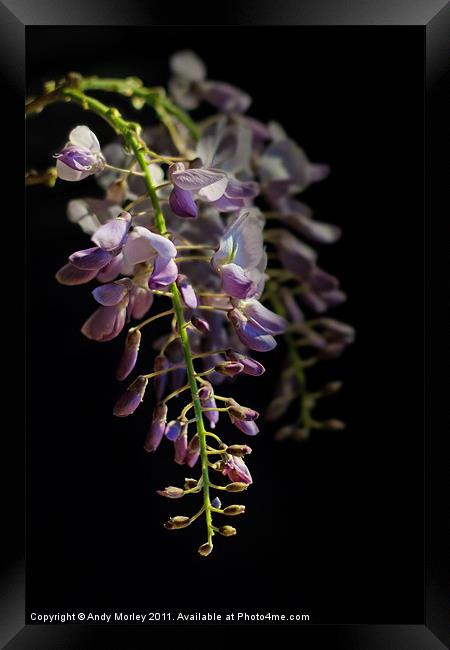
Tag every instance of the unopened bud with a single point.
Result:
(205, 549)
(177, 522)
(187, 291)
(234, 510)
(227, 531)
(332, 388)
(333, 425)
(251, 366)
(129, 355)
(157, 428)
(173, 430)
(239, 450)
(201, 325)
(229, 368)
(236, 487)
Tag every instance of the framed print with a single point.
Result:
(222, 235)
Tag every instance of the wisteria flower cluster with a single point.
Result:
(191, 215)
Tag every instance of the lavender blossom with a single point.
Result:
(81, 156)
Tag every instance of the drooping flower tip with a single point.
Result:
(129, 355)
(131, 398)
(81, 156)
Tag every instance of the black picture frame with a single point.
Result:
(434, 18)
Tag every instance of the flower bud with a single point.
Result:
(131, 398)
(236, 487)
(157, 428)
(251, 366)
(201, 325)
(227, 531)
(332, 388)
(229, 368)
(129, 355)
(173, 430)
(205, 549)
(177, 522)
(171, 492)
(239, 450)
(333, 425)
(187, 291)
(234, 510)
(206, 395)
(238, 412)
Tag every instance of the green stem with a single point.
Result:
(296, 360)
(156, 97)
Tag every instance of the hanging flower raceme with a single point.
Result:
(177, 235)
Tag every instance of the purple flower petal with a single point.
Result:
(164, 272)
(90, 259)
(225, 97)
(131, 398)
(71, 275)
(110, 294)
(140, 302)
(157, 428)
(187, 292)
(265, 318)
(112, 234)
(172, 430)
(129, 355)
(105, 323)
(235, 282)
(142, 245)
(209, 184)
(250, 335)
(111, 270)
(249, 427)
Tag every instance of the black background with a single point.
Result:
(334, 526)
